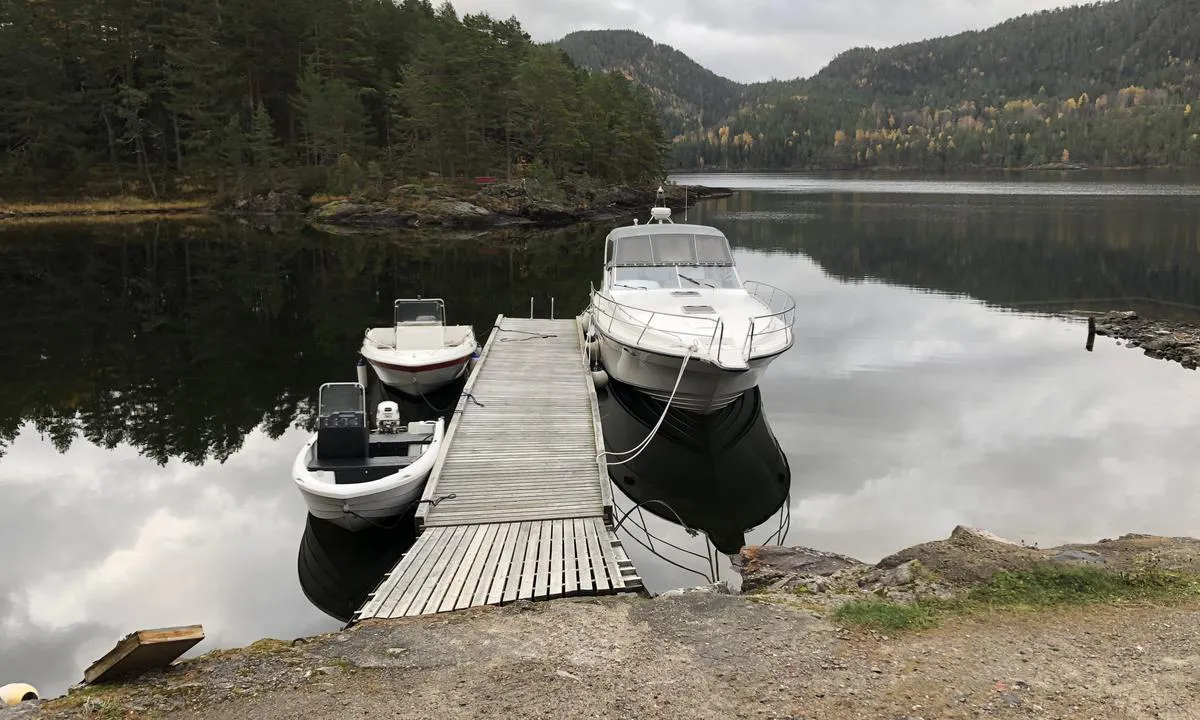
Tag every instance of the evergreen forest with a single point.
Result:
(1112, 84)
(175, 97)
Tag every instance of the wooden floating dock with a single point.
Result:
(518, 505)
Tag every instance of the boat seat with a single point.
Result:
(386, 461)
(399, 438)
(420, 337)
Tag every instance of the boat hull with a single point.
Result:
(374, 510)
(704, 387)
(418, 380)
(359, 505)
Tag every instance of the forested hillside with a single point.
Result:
(1112, 84)
(173, 96)
(687, 95)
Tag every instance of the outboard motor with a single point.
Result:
(342, 430)
(387, 417)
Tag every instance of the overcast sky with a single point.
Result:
(760, 39)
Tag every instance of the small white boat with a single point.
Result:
(419, 353)
(356, 476)
(671, 291)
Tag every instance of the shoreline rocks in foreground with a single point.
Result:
(776, 649)
(944, 568)
(1176, 341)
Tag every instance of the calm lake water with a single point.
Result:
(158, 379)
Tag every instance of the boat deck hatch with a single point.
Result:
(684, 293)
(698, 309)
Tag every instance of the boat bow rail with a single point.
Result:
(681, 332)
(765, 329)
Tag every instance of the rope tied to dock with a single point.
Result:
(434, 502)
(532, 335)
(637, 450)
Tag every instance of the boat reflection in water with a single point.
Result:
(339, 568)
(721, 474)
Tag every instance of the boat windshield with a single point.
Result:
(420, 311)
(687, 277)
(674, 248)
(340, 398)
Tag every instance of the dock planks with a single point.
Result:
(517, 506)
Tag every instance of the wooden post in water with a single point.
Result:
(1091, 340)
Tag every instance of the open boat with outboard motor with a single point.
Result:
(358, 471)
(673, 319)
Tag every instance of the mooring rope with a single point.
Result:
(637, 450)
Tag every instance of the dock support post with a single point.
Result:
(1091, 340)
(530, 307)
(552, 308)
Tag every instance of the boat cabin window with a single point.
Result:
(341, 398)
(431, 312)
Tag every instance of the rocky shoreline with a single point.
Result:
(501, 205)
(497, 205)
(1175, 341)
(781, 649)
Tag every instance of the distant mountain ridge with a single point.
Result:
(1114, 83)
(688, 95)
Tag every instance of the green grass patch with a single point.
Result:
(883, 615)
(1053, 585)
(1044, 586)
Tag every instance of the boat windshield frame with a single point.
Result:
(338, 399)
(404, 311)
(673, 259)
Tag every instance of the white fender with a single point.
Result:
(14, 693)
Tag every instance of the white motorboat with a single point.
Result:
(419, 353)
(671, 294)
(356, 476)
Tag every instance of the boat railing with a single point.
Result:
(641, 321)
(768, 333)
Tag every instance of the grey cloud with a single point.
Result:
(110, 542)
(763, 39)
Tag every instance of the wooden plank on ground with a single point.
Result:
(433, 597)
(555, 586)
(467, 565)
(491, 566)
(609, 540)
(418, 588)
(505, 566)
(596, 557)
(570, 572)
(479, 569)
(529, 569)
(512, 585)
(581, 562)
(143, 650)
(400, 576)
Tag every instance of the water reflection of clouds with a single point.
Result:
(905, 412)
(112, 542)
